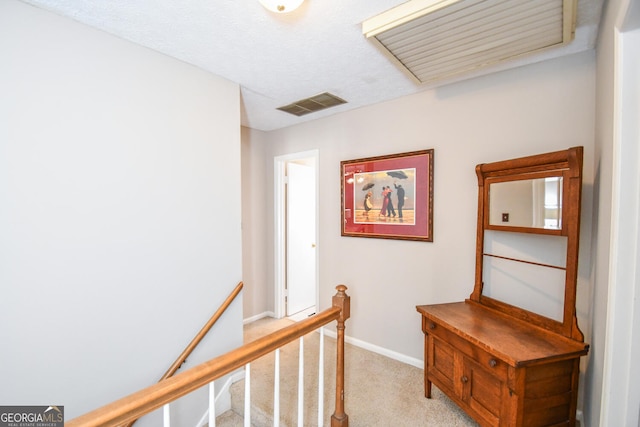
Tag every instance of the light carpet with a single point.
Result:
(379, 391)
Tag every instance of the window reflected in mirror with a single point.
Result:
(534, 203)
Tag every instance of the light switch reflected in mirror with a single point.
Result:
(532, 203)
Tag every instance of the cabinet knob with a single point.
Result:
(464, 379)
(493, 363)
(432, 325)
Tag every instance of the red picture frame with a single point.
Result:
(388, 197)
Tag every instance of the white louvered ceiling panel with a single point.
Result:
(436, 39)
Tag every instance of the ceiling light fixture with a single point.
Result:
(281, 6)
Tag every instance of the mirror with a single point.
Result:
(535, 203)
(527, 238)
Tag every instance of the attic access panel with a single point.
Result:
(435, 39)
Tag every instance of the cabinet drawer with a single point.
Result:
(483, 358)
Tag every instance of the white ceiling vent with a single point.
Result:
(437, 39)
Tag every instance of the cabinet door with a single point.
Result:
(482, 391)
(441, 363)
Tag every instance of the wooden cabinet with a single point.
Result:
(500, 370)
(503, 364)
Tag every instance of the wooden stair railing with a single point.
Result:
(199, 336)
(205, 329)
(146, 400)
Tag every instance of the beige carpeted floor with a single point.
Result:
(378, 391)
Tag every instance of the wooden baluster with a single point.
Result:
(340, 300)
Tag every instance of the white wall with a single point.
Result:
(529, 110)
(119, 212)
(603, 153)
(258, 296)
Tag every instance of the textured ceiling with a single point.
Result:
(278, 59)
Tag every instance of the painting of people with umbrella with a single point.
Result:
(387, 197)
(390, 195)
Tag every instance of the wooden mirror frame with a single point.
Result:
(568, 164)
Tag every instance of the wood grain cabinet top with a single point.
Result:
(513, 341)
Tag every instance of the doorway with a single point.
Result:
(296, 234)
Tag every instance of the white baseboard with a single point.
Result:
(258, 317)
(379, 350)
(223, 398)
(580, 417)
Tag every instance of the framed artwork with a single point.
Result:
(388, 197)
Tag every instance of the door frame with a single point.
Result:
(620, 392)
(280, 226)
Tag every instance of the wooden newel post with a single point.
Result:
(342, 301)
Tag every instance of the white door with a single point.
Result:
(301, 235)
